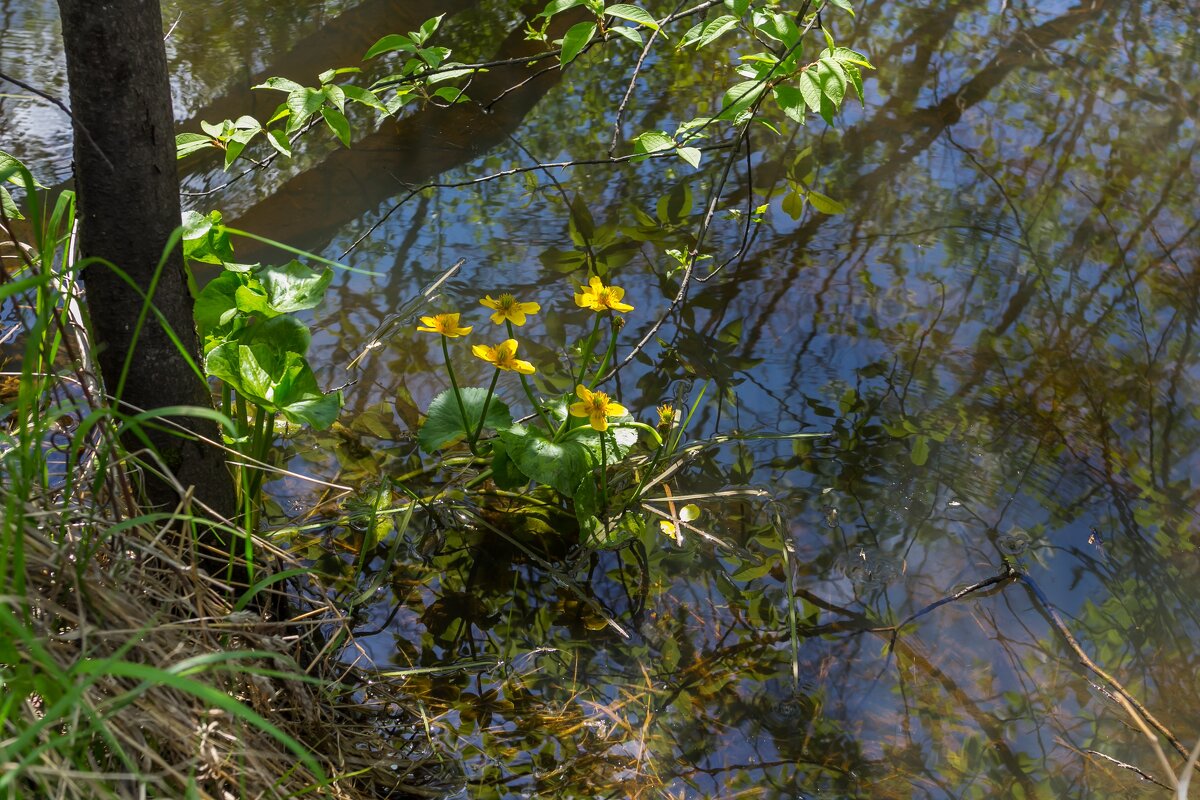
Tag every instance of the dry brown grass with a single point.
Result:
(137, 601)
(125, 670)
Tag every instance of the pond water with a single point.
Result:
(998, 340)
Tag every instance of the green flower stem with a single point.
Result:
(587, 354)
(587, 351)
(603, 477)
(638, 425)
(478, 479)
(641, 426)
(264, 437)
(243, 420)
(608, 354)
(226, 399)
(462, 411)
(529, 389)
(487, 401)
(426, 469)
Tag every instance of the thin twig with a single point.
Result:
(1122, 693)
(507, 173)
(637, 69)
(1139, 771)
(1004, 577)
(54, 100)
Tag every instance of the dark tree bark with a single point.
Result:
(125, 176)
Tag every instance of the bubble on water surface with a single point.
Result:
(865, 568)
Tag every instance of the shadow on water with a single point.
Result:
(999, 338)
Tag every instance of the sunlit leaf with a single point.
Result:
(303, 103)
(717, 28)
(691, 155)
(740, 97)
(389, 44)
(216, 306)
(575, 40)
(810, 89)
(632, 13)
(651, 142)
(188, 143)
(337, 123)
(791, 101)
(8, 205)
(842, 4)
(844, 55)
(280, 85)
(832, 79)
(632, 34)
(278, 139)
(559, 6)
(294, 286)
(335, 95)
(363, 96)
(284, 333)
(276, 380)
(450, 74)
(451, 94)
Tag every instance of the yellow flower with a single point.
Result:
(596, 407)
(666, 415)
(507, 308)
(599, 297)
(445, 324)
(503, 356)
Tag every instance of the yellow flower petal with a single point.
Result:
(599, 297)
(503, 356)
(445, 324)
(507, 308)
(596, 407)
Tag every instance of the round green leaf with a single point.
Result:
(444, 422)
(562, 465)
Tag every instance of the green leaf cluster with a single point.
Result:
(328, 100)
(249, 340)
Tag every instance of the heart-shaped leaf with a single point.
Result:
(444, 422)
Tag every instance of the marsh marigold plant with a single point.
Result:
(599, 297)
(503, 356)
(445, 324)
(596, 407)
(507, 308)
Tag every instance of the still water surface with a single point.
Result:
(999, 338)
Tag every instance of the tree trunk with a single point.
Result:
(125, 176)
